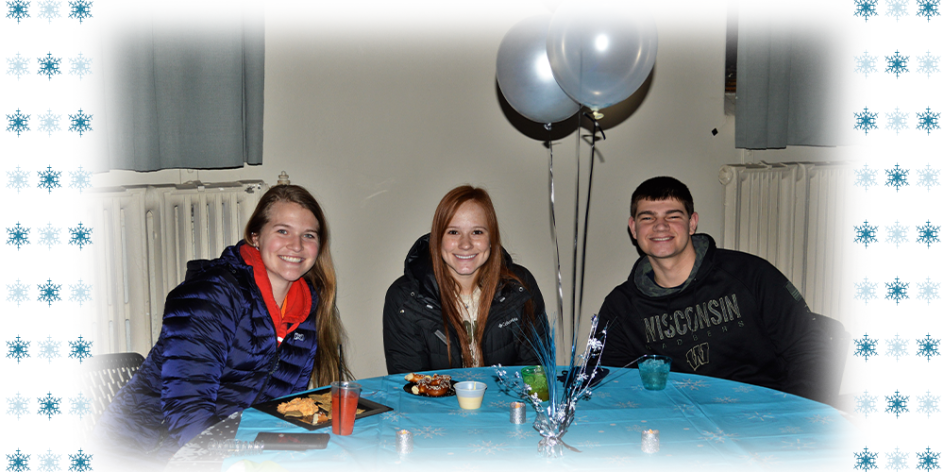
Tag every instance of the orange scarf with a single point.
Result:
(297, 304)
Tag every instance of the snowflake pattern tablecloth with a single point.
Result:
(705, 422)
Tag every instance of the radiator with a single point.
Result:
(148, 233)
(797, 216)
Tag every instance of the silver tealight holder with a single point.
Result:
(650, 441)
(518, 413)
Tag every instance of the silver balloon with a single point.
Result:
(601, 51)
(525, 77)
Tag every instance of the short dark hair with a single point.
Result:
(662, 188)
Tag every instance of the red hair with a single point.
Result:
(487, 278)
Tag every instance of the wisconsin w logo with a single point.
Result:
(697, 356)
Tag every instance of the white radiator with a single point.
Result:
(797, 216)
(148, 234)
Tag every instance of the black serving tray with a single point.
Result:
(271, 407)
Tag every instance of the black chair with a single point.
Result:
(835, 364)
(104, 375)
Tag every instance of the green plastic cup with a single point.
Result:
(535, 378)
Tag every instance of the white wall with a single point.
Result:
(380, 109)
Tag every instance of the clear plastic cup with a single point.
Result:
(344, 396)
(654, 371)
(470, 394)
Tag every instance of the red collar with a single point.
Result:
(297, 304)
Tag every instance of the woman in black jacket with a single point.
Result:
(461, 301)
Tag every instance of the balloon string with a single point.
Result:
(560, 289)
(586, 216)
(573, 287)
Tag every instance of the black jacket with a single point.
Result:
(738, 319)
(413, 325)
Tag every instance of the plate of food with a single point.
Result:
(312, 409)
(429, 385)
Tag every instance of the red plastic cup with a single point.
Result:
(344, 396)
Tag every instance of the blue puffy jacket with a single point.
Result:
(216, 355)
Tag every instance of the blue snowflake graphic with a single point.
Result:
(896, 290)
(865, 404)
(896, 121)
(896, 177)
(896, 404)
(865, 121)
(865, 291)
(866, 8)
(865, 177)
(81, 66)
(865, 460)
(17, 9)
(865, 64)
(896, 64)
(18, 462)
(81, 123)
(17, 292)
(80, 462)
(896, 347)
(18, 122)
(18, 236)
(49, 66)
(49, 123)
(81, 292)
(49, 349)
(17, 66)
(48, 462)
(927, 64)
(928, 8)
(80, 179)
(80, 236)
(865, 234)
(929, 177)
(49, 406)
(928, 290)
(81, 406)
(927, 234)
(865, 347)
(896, 460)
(49, 10)
(896, 8)
(928, 120)
(49, 236)
(897, 234)
(18, 349)
(17, 179)
(927, 460)
(80, 349)
(928, 347)
(49, 179)
(49, 292)
(80, 10)
(928, 404)
(17, 406)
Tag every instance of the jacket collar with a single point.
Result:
(642, 274)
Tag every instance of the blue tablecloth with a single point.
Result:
(704, 422)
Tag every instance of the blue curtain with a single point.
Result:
(789, 80)
(185, 94)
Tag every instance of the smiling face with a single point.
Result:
(663, 229)
(466, 244)
(289, 243)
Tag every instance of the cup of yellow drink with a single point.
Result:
(470, 394)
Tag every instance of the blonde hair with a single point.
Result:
(321, 277)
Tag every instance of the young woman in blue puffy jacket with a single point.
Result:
(258, 323)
